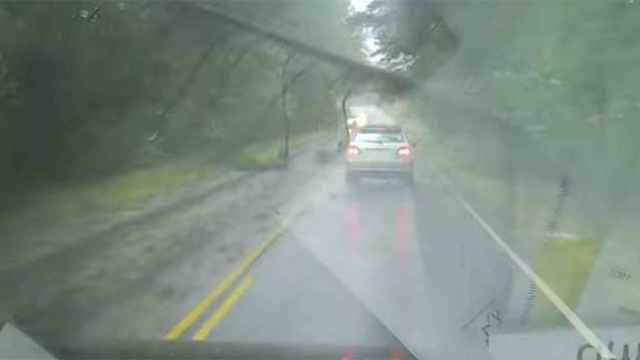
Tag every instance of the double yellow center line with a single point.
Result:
(196, 312)
(224, 309)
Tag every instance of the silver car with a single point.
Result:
(379, 151)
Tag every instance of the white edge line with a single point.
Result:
(571, 316)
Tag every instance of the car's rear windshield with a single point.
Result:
(380, 137)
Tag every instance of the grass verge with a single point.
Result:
(127, 191)
(268, 154)
(135, 188)
(565, 264)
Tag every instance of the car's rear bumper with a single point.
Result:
(390, 168)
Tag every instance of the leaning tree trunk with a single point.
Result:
(345, 116)
(283, 102)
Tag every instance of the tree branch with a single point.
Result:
(360, 71)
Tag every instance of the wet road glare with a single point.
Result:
(290, 257)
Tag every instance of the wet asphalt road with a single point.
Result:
(378, 266)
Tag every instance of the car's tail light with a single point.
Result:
(405, 152)
(353, 152)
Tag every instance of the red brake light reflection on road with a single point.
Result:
(348, 355)
(405, 153)
(396, 355)
(352, 151)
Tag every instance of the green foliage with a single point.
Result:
(8, 86)
(92, 88)
(539, 93)
(561, 74)
(566, 266)
(408, 34)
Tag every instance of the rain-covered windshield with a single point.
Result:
(379, 137)
(181, 176)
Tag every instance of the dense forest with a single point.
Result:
(90, 88)
(538, 89)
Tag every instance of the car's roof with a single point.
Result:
(373, 114)
(380, 129)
